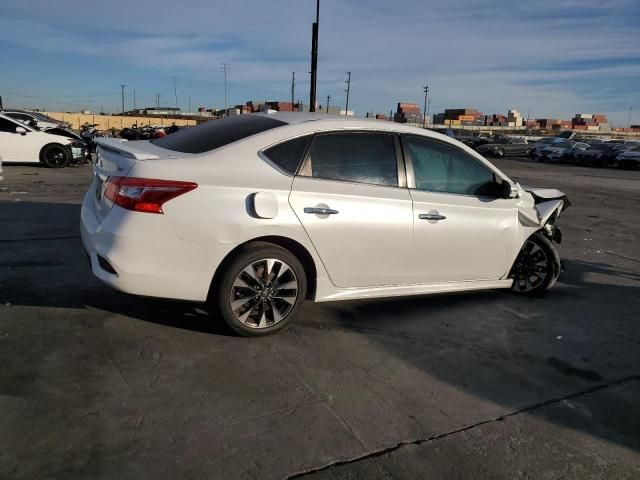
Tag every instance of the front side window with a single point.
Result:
(440, 168)
(354, 157)
(287, 155)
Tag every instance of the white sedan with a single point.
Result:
(255, 213)
(21, 143)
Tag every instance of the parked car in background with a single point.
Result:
(538, 145)
(501, 146)
(597, 155)
(474, 140)
(629, 158)
(561, 152)
(35, 119)
(22, 143)
(254, 213)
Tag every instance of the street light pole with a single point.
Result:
(122, 89)
(293, 88)
(314, 59)
(328, 100)
(348, 82)
(424, 112)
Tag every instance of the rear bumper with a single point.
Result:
(139, 253)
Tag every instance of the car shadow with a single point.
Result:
(511, 351)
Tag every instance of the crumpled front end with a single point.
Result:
(539, 208)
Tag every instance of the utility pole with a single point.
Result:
(175, 89)
(293, 87)
(189, 104)
(158, 100)
(122, 89)
(630, 112)
(314, 59)
(134, 98)
(328, 100)
(424, 112)
(225, 67)
(348, 90)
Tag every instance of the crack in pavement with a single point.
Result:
(530, 408)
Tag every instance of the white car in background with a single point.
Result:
(541, 143)
(255, 213)
(21, 143)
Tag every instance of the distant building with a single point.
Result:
(408, 113)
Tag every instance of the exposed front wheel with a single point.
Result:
(537, 266)
(500, 153)
(260, 290)
(55, 156)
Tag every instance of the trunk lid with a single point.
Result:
(114, 158)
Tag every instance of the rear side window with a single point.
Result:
(216, 133)
(7, 126)
(354, 157)
(287, 155)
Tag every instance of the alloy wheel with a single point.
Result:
(55, 157)
(531, 268)
(264, 293)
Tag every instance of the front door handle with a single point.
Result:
(320, 210)
(431, 216)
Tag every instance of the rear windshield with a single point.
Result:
(216, 133)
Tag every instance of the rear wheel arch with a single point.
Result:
(296, 248)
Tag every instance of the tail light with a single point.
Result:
(144, 194)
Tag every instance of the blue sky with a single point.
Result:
(548, 58)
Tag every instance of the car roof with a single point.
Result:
(299, 117)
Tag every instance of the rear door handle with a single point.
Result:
(320, 210)
(431, 216)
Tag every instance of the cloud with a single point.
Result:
(548, 56)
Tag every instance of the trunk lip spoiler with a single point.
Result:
(129, 149)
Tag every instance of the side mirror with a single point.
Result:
(21, 130)
(507, 191)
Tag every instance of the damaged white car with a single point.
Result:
(256, 213)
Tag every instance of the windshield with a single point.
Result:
(562, 145)
(216, 133)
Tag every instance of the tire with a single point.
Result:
(55, 155)
(536, 268)
(500, 153)
(266, 309)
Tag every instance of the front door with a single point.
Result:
(349, 199)
(462, 230)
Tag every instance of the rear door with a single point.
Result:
(351, 198)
